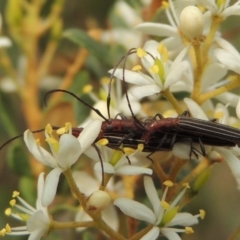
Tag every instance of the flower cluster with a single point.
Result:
(104, 161)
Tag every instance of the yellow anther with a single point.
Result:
(165, 205)
(141, 53)
(8, 228)
(137, 68)
(103, 142)
(154, 69)
(87, 88)
(188, 230)
(3, 232)
(163, 52)
(202, 213)
(105, 80)
(8, 211)
(61, 131)
(218, 115)
(165, 4)
(68, 126)
(128, 150)
(140, 147)
(51, 140)
(168, 183)
(37, 141)
(49, 129)
(169, 113)
(12, 202)
(15, 194)
(186, 185)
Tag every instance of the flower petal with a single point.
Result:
(5, 42)
(143, 91)
(38, 221)
(152, 194)
(183, 219)
(152, 234)
(107, 168)
(37, 151)
(170, 233)
(130, 76)
(69, 151)
(135, 209)
(50, 187)
(89, 134)
(157, 29)
(133, 170)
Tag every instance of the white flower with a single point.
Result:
(109, 214)
(162, 71)
(64, 154)
(37, 219)
(163, 216)
(115, 162)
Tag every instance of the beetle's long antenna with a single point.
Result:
(78, 98)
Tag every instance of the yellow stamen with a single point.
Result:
(188, 230)
(218, 115)
(165, 4)
(186, 185)
(61, 131)
(68, 126)
(87, 88)
(37, 141)
(154, 69)
(8, 211)
(169, 113)
(49, 129)
(12, 202)
(15, 194)
(140, 147)
(202, 213)
(51, 140)
(103, 142)
(163, 52)
(3, 232)
(165, 205)
(128, 150)
(8, 228)
(105, 80)
(168, 183)
(141, 53)
(137, 68)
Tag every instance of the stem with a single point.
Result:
(169, 96)
(176, 167)
(63, 225)
(158, 169)
(95, 216)
(232, 85)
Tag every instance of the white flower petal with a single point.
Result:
(89, 134)
(69, 151)
(80, 217)
(183, 219)
(135, 210)
(107, 168)
(130, 76)
(110, 216)
(152, 194)
(143, 91)
(5, 42)
(170, 234)
(133, 170)
(238, 108)
(38, 221)
(182, 150)
(228, 59)
(233, 10)
(228, 98)
(152, 234)
(37, 151)
(36, 235)
(195, 109)
(50, 187)
(157, 29)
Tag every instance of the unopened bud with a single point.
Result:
(98, 201)
(191, 22)
(201, 180)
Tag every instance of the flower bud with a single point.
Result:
(98, 201)
(201, 179)
(191, 22)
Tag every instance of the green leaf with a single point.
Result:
(18, 160)
(82, 39)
